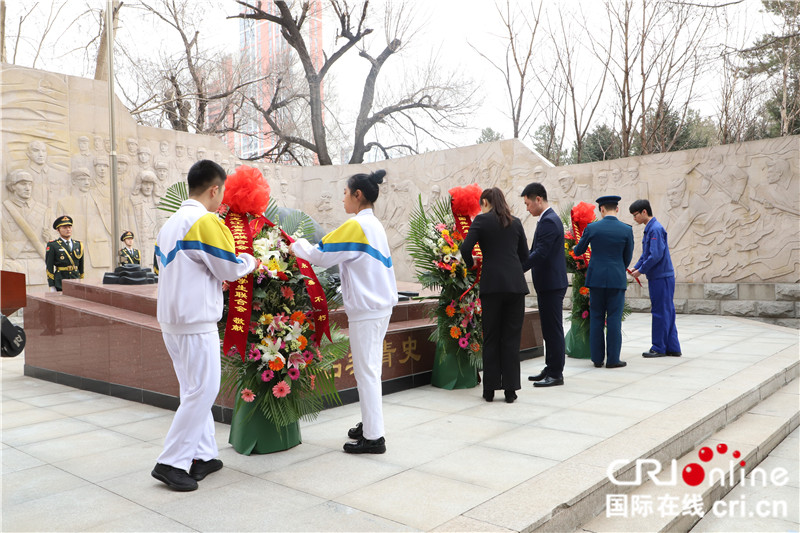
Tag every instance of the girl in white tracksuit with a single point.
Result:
(360, 248)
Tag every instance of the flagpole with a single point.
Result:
(113, 132)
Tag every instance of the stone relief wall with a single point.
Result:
(732, 212)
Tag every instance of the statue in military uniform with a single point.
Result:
(129, 255)
(64, 256)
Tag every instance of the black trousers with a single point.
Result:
(551, 314)
(503, 314)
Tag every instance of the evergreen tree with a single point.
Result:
(488, 135)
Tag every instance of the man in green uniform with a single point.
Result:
(129, 255)
(64, 256)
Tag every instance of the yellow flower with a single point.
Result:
(446, 249)
(266, 319)
(445, 233)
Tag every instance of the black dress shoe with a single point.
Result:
(488, 395)
(510, 396)
(174, 478)
(538, 377)
(651, 353)
(616, 365)
(674, 354)
(363, 445)
(598, 365)
(549, 381)
(356, 432)
(200, 469)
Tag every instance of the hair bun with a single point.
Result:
(377, 176)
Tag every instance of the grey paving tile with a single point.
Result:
(136, 457)
(586, 423)
(35, 483)
(14, 460)
(249, 505)
(145, 520)
(543, 442)
(27, 417)
(255, 464)
(463, 428)
(487, 467)
(343, 473)
(74, 510)
(77, 445)
(53, 429)
(421, 500)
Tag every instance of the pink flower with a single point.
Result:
(463, 342)
(294, 373)
(255, 354)
(287, 292)
(267, 375)
(232, 351)
(247, 395)
(308, 356)
(256, 306)
(585, 314)
(296, 359)
(281, 389)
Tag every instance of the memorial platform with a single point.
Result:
(74, 460)
(106, 339)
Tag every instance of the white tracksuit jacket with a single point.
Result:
(195, 252)
(360, 248)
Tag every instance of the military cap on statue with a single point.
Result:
(126, 235)
(611, 199)
(64, 220)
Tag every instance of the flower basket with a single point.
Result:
(435, 235)
(252, 432)
(452, 370)
(278, 346)
(577, 340)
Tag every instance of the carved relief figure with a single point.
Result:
(201, 153)
(91, 214)
(285, 198)
(570, 192)
(24, 228)
(133, 147)
(84, 157)
(147, 214)
(181, 164)
(48, 181)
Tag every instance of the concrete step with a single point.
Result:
(573, 493)
(690, 486)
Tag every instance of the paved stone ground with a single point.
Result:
(78, 461)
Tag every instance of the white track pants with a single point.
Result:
(366, 343)
(197, 365)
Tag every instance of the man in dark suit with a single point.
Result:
(549, 273)
(612, 251)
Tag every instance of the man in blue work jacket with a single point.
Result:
(656, 264)
(612, 251)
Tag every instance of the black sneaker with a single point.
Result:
(356, 432)
(200, 469)
(174, 478)
(363, 445)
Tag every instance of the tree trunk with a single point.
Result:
(101, 67)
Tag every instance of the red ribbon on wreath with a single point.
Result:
(240, 302)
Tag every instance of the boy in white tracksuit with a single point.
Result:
(195, 253)
(360, 248)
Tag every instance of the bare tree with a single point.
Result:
(101, 68)
(583, 86)
(191, 89)
(435, 99)
(516, 68)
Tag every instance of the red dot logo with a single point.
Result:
(705, 454)
(737, 454)
(693, 474)
(722, 448)
(743, 463)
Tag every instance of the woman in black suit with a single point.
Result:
(502, 289)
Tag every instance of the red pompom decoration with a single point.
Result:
(582, 215)
(246, 191)
(466, 200)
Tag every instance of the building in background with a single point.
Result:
(266, 52)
